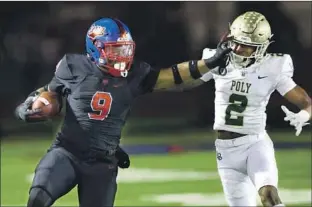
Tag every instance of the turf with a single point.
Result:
(19, 158)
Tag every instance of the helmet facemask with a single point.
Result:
(116, 57)
(241, 61)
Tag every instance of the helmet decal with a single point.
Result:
(96, 31)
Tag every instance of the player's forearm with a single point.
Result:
(301, 99)
(181, 76)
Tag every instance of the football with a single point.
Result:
(48, 102)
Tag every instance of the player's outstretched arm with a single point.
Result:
(186, 75)
(301, 99)
(181, 76)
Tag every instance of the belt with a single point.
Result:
(229, 135)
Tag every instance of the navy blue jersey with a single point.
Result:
(97, 104)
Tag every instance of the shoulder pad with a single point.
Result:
(288, 66)
(280, 64)
(73, 66)
(62, 70)
(208, 53)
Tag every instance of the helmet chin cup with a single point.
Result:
(124, 73)
(239, 61)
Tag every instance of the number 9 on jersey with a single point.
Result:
(101, 104)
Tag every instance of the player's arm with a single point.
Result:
(299, 97)
(182, 76)
(24, 111)
(188, 75)
(294, 94)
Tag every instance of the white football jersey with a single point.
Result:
(242, 95)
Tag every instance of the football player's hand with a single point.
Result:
(123, 158)
(24, 111)
(298, 120)
(220, 58)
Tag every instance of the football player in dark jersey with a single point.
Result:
(99, 88)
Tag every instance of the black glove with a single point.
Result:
(24, 111)
(123, 158)
(220, 58)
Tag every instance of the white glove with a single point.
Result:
(298, 120)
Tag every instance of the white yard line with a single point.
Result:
(288, 196)
(146, 175)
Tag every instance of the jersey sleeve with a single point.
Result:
(284, 80)
(142, 78)
(62, 77)
(207, 53)
(150, 78)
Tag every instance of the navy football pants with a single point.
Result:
(59, 171)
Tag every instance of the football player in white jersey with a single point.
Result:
(245, 152)
(245, 76)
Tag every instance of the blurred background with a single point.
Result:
(35, 36)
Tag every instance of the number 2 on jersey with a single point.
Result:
(101, 103)
(238, 104)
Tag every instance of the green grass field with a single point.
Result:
(184, 179)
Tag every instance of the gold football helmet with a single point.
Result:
(250, 29)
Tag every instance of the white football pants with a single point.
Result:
(246, 164)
